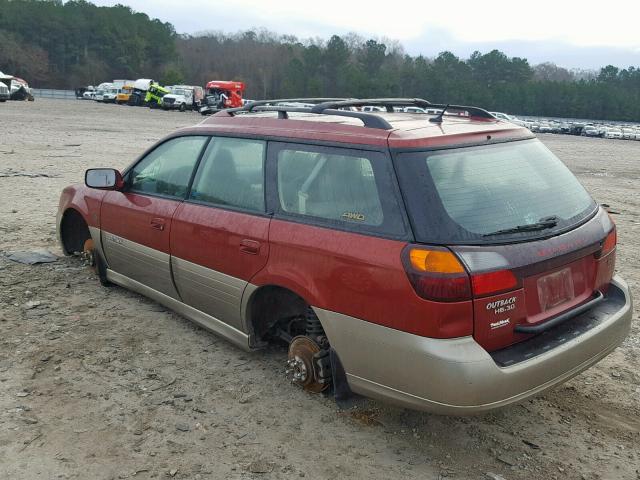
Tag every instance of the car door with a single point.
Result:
(219, 235)
(136, 222)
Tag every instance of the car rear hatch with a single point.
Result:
(523, 289)
(536, 248)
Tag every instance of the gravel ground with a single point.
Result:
(100, 383)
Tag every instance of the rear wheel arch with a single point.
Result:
(74, 231)
(268, 305)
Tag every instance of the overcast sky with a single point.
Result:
(573, 34)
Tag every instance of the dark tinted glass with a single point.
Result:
(467, 194)
(334, 187)
(342, 188)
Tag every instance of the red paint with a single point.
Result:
(86, 201)
(233, 243)
(356, 275)
(496, 317)
(134, 216)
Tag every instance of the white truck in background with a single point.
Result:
(183, 97)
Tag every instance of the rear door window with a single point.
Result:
(231, 174)
(351, 189)
(470, 194)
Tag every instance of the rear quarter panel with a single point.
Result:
(353, 274)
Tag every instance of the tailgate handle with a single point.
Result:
(563, 317)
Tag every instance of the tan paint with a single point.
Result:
(206, 321)
(209, 291)
(138, 262)
(457, 376)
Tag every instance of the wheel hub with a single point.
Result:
(88, 256)
(301, 365)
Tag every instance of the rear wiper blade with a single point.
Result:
(543, 224)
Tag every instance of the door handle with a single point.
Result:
(249, 246)
(157, 223)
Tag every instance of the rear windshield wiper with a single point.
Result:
(543, 224)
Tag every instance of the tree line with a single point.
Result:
(65, 45)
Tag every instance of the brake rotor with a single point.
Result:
(300, 365)
(88, 253)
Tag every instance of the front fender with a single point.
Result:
(86, 201)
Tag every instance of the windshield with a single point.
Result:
(491, 193)
(180, 91)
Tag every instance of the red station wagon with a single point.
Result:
(446, 262)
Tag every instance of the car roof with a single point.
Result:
(408, 130)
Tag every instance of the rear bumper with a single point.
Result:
(457, 376)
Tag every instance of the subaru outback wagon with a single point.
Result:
(446, 262)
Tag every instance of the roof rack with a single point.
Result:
(334, 106)
(368, 119)
(388, 103)
(249, 107)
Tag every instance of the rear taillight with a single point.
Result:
(606, 261)
(492, 283)
(609, 243)
(436, 273)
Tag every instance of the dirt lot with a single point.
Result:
(100, 383)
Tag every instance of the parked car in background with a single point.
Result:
(413, 110)
(591, 131)
(544, 127)
(454, 270)
(628, 133)
(5, 87)
(512, 119)
(614, 133)
(4, 92)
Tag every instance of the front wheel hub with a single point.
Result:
(88, 254)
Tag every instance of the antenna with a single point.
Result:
(438, 119)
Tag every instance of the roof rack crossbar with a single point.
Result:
(249, 107)
(369, 120)
(473, 111)
(388, 103)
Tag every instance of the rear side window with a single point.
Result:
(167, 169)
(231, 173)
(333, 187)
(351, 189)
(475, 194)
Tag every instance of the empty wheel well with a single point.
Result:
(73, 232)
(274, 309)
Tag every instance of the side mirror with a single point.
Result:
(104, 179)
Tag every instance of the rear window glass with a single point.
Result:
(470, 194)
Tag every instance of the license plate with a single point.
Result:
(555, 288)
